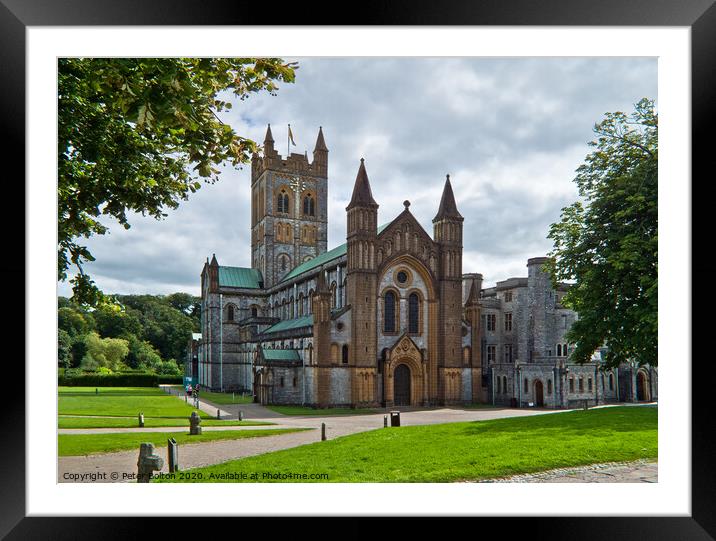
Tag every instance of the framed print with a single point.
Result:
(415, 50)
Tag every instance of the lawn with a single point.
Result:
(149, 422)
(465, 451)
(225, 398)
(84, 444)
(303, 410)
(121, 402)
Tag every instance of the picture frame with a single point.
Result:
(699, 15)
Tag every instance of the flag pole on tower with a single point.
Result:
(289, 141)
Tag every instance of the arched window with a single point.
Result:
(611, 382)
(310, 353)
(254, 311)
(344, 353)
(282, 203)
(230, 313)
(309, 205)
(559, 350)
(333, 295)
(300, 304)
(389, 312)
(499, 385)
(527, 385)
(414, 313)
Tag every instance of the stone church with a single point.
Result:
(386, 319)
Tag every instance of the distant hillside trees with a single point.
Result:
(142, 332)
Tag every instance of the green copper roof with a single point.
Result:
(239, 277)
(281, 355)
(289, 324)
(319, 260)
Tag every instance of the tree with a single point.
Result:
(608, 244)
(64, 349)
(137, 134)
(104, 352)
(74, 321)
(113, 322)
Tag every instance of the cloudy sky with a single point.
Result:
(510, 132)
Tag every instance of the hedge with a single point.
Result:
(117, 380)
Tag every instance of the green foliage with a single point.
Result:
(74, 377)
(64, 349)
(112, 322)
(165, 327)
(104, 352)
(154, 327)
(138, 134)
(73, 321)
(142, 355)
(608, 245)
(169, 368)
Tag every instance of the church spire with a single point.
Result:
(448, 208)
(472, 296)
(320, 142)
(362, 195)
(269, 136)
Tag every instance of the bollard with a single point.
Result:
(323, 431)
(147, 463)
(173, 455)
(194, 424)
(385, 421)
(218, 413)
(141, 420)
(241, 415)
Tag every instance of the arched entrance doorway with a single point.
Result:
(642, 387)
(539, 394)
(401, 385)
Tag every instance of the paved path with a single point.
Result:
(124, 463)
(640, 471)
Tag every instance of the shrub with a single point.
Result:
(108, 380)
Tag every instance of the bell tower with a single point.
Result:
(289, 208)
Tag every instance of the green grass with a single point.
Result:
(149, 422)
(224, 398)
(302, 410)
(122, 402)
(84, 444)
(466, 451)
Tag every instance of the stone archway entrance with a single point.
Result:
(642, 387)
(401, 385)
(539, 394)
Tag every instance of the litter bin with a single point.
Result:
(394, 418)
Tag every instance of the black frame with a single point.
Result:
(699, 15)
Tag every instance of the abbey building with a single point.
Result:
(386, 319)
